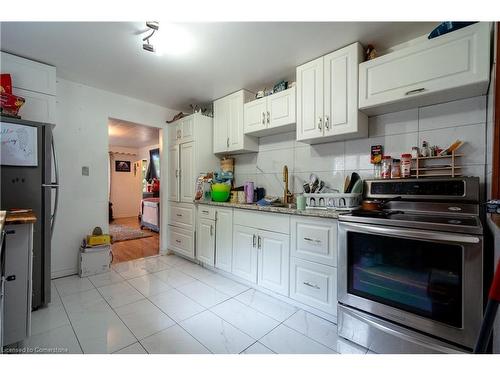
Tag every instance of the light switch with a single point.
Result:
(85, 171)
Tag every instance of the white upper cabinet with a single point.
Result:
(181, 131)
(449, 67)
(271, 115)
(228, 134)
(327, 97)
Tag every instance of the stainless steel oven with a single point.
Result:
(429, 281)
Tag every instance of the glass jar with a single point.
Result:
(386, 167)
(377, 171)
(405, 165)
(396, 168)
(414, 152)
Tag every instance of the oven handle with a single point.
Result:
(410, 233)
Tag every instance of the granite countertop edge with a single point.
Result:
(330, 214)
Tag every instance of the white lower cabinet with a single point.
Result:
(245, 253)
(205, 245)
(314, 239)
(273, 261)
(262, 257)
(314, 284)
(224, 239)
(181, 241)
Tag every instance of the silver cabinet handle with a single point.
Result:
(178, 241)
(176, 173)
(253, 240)
(416, 91)
(320, 124)
(307, 283)
(263, 118)
(211, 230)
(259, 242)
(311, 240)
(327, 122)
(268, 118)
(179, 215)
(204, 211)
(227, 142)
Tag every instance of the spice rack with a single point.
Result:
(451, 169)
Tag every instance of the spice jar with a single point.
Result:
(414, 152)
(425, 151)
(377, 171)
(386, 167)
(405, 165)
(396, 168)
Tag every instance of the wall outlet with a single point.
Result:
(85, 171)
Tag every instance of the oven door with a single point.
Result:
(426, 280)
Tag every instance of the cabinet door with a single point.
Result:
(255, 115)
(173, 173)
(174, 133)
(205, 241)
(245, 253)
(187, 178)
(341, 90)
(442, 69)
(224, 239)
(181, 241)
(221, 125)
(38, 107)
(187, 128)
(281, 108)
(274, 261)
(235, 121)
(310, 100)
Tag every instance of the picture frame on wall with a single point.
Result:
(122, 166)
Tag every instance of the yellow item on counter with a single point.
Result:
(103, 239)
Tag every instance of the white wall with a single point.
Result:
(81, 136)
(439, 124)
(126, 187)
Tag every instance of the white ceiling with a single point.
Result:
(129, 134)
(225, 58)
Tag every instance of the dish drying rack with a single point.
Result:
(451, 169)
(337, 201)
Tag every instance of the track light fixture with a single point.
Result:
(154, 26)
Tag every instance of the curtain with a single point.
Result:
(153, 165)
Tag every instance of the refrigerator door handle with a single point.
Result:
(54, 185)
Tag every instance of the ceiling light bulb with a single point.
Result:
(172, 40)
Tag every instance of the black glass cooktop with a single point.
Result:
(421, 218)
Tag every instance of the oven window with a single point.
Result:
(424, 278)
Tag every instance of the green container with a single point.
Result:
(220, 192)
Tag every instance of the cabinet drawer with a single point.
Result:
(262, 220)
(206, 212)
(181, 215)
(314, 240)
(314, 284)
(181, 241)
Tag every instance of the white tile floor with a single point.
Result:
(166, 304)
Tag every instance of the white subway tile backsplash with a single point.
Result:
(397, 132)
(474, 136)
(394, 123)
(322, 157)
(456, 113)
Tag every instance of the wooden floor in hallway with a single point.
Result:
(133, 249)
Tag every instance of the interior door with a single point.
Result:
(224, 239)
(310, 100)
(245, 253)
(340, 90)
(221, 125)
(255, 115)
(274, 261)
(205, 247)
(173, 173)
(187, 178)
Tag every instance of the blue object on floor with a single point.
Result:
(447, 27)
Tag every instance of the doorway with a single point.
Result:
(134, 189)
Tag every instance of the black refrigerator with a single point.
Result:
(29, 179)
